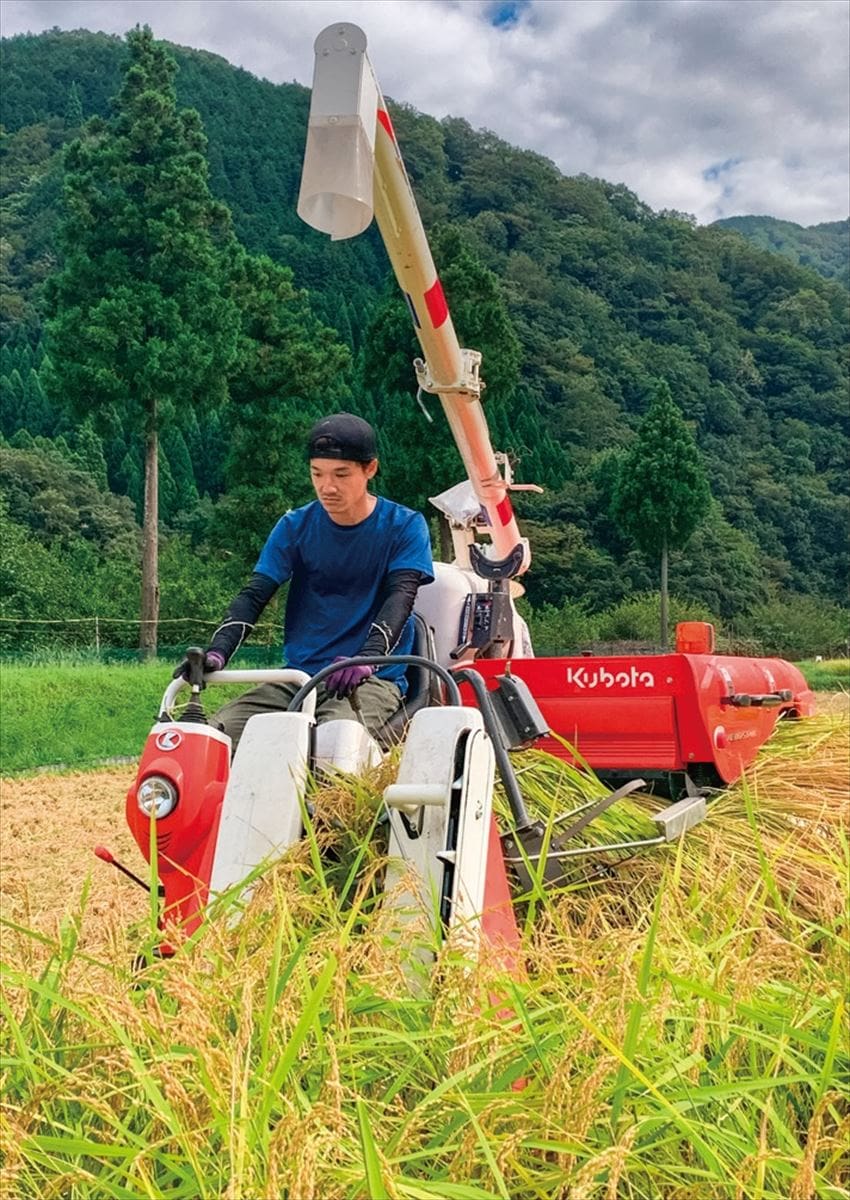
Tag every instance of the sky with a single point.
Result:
(714, 108)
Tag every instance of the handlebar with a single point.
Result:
(275, 675)
(308, 684)
(376, 660)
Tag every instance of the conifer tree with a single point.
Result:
(88, 451)
(287, 374)
(141, 318)
(74, 107)
(661, 493)
(12, 403)
(37, 415)
(174, 449)
(131, 482)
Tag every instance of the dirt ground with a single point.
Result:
(49, 826)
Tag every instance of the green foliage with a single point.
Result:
(801, 626)
(419, 459)
(636, 619)
(824, 248)
(140, 315)
(70, 551)
(566, 564)
(33, 95)
(176, 465)
(29, 193)
(720, 567)
(197, 585)
(88, 452)
(792, 627)
(661, 493)
(560, 631)
(34, 580)
(601, 296)
(74, 109)
(288, 365)
(59, 503)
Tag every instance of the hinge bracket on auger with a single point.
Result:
(468, 384)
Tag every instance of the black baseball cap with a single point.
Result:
(342, 436)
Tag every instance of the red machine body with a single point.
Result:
(661, 714)
(194, 758)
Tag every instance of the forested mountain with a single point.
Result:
(825, 248)
(604, 298)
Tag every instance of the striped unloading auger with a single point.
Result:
(352, 169)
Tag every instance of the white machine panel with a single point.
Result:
(260, 813)
(476, 807)
(345, 746)
(420, 802)
(441, 606)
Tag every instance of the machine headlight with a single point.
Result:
(156, 796)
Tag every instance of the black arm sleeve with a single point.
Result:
(242, 615)
(397, 596)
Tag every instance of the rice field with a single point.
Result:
(681, 1033)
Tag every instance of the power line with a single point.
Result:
(121, 621)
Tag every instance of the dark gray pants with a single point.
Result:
(378, 698)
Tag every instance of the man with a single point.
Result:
(354, 562)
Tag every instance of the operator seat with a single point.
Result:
(422, 686)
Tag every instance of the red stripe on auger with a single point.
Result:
(438, 310)
(384, 118)
(503, 508)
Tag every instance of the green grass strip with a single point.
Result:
(376, 1189)
(486, 1149)
(309, 1014)
(688, 1128)
(636, 1011)
(826, 1075)
(69, 1146)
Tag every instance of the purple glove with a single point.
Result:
(213, 661)
(345, 682)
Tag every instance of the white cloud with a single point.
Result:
(650, 93)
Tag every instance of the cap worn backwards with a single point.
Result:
(342, 436)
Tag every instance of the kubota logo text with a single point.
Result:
(601, 677)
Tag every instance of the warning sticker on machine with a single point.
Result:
(601, 677)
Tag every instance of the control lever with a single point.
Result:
(194, 710)
(195, 658)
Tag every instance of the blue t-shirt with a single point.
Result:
(336, 574)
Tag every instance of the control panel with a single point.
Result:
(486, 625)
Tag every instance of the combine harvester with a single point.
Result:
(687, 721)
(687, 718)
